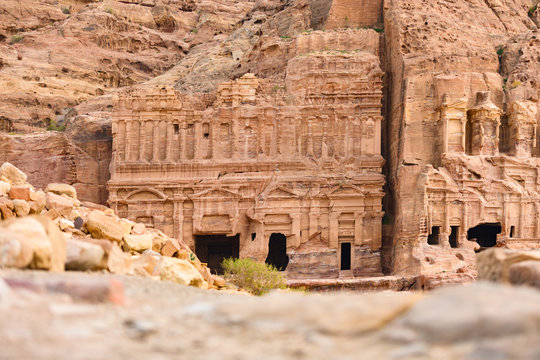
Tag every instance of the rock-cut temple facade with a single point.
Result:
(290, 174)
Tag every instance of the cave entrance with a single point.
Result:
(212, 249)
(485, 234)
(277, 251)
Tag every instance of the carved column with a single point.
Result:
(296, 228)
(142, 140)
(522, 124)
(485, 120)
(359, 228)
(121, 140)
(453, 121)
(536, 221)
(334, 230)
(155, 142)
(169, 141)
(129, 135)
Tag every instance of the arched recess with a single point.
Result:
(146, 194)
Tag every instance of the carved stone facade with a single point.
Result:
(479, 197)
(264, 168)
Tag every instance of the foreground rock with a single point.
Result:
(32, 242)
(508, 266)
(164, 319)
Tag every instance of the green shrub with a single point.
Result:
(109, 10)
(254, 277)
(16, 38)
(66, 11)
(532, 9)
(53, 126)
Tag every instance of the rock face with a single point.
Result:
(274, 167)
(462, 132)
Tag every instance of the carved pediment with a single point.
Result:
(216, 193)
(345, 191)
(280, 192)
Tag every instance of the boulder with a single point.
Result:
(15, 249)
(62, 189)
(203, 270)
(126, 224)
(38, 204)
(219, 281)
(4, 188)
(21, 207)
(33, 232)
(525, 273)
(181, 272)
(102, 226)
(6, 208)
(63, 205)
(138, 229)
(147, 264)
(114, 259)
(14, 175)
(21, 192)
(494, 264)
(170, 247)
(58, 243)
(82, 255)
(66, 224)
(138, 242)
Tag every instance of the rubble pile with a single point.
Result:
(52, 230)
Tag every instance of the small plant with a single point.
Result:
(53, 126)
(109, 10)
(16, 38)
(515, 84)
(276, 88)
(532, 9)
(194, 30)
(285, 37)
(254, 277)
(66, 11)
(505, 80)
(500, 51)
(378, 30)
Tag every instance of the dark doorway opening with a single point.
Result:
(345, 256)
(485, 234)
(512, 230)
(212, 249)
(433, 238)
(277, 251)
(452, 239)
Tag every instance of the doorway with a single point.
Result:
(345, 256)
(277, 251)
(212, 249)
(485, 234)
